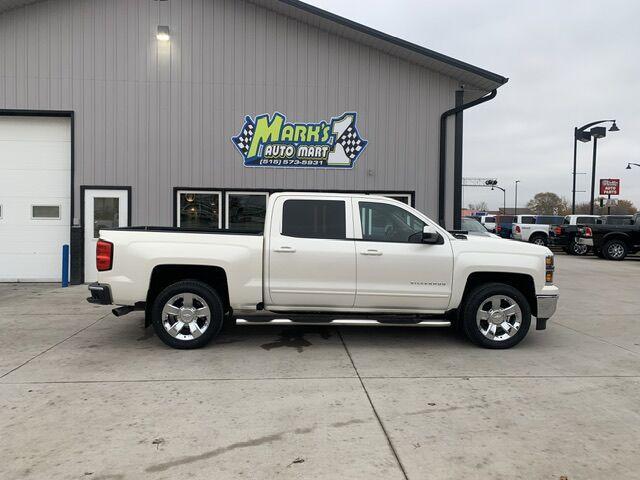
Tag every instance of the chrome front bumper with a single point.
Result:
(547, 305)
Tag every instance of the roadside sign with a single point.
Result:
(609, 186)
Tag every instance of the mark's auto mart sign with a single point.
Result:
(271, 141)
(609, 186)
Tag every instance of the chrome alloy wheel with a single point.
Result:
(539, 241)
(580, 249)
(615, 251)
(499, 317)
(186, 316)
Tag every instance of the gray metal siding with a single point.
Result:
(155, 116)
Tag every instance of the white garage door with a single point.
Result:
(35, 182)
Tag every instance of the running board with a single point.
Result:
(356, 322)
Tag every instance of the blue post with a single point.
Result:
(65, 266)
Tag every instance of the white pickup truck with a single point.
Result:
(535, 229)
(330, 259)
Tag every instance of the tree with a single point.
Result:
(548, 203)
(479, 206)
(624, 207)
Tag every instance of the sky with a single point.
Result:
(568, 63)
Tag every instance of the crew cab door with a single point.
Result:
(395, 271)
(311, 253)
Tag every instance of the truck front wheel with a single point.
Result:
(615, 250)
(496, 315)
(187, 314)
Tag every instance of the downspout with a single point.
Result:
(457, 154)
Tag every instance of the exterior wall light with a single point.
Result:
(163, 33)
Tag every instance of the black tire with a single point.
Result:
(615, 249)
(578, 249)
(539, 239)
(199, 289)
(478, 297)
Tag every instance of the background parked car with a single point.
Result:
(564, 235)
(612, 241)
(489, 222)
(504, 223)
(474, 227)
(537, 232)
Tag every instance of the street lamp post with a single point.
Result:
(584, 136)
(515, 203)
(629, 165)
(504, 198)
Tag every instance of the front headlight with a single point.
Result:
(550, 267)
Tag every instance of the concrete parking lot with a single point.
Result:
(85, 395)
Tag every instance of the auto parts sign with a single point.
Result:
(272, 141)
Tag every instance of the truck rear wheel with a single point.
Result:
(576, 248)
(187, 314)
(538, 239)
(496, 315)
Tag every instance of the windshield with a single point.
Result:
(472, 225)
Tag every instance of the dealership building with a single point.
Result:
(190, 113)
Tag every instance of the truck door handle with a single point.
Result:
(285, 249)
(371, 251)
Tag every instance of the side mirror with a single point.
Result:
(430, 235)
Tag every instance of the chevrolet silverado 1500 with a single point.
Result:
(330, 259)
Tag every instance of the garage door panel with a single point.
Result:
(32, 129)
(34, 155)
(35, 161)
(27, 183)
(16, 211)
(36, 239)
(31, 268)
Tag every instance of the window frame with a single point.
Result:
(59, 217)
(197, 191)
(391, 196)
(357, 221)
(249, 193)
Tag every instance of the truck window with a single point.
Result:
(528, 220)
(587, 220)
(314, 219)
(549, 220)
(387, 223)
(489, 219)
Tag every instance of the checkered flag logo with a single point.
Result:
(351, 142)
(243, 140)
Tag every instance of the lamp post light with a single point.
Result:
(583, 135)
(515, 203)
(504, 198)
(629, 165)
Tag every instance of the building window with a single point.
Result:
(199, 209)
(314, 219)
(246, 210)
(45, 212)
(401, 197)
(106, 214)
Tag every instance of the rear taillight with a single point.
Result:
(558, 230)
(588, 232)
(518, 229)
(104, 255)
(498, 228)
